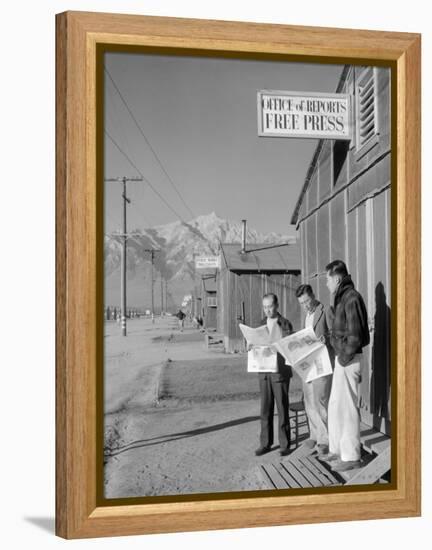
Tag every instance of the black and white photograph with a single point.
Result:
(247, 275)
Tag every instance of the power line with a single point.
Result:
(153, 188)
(148, 142)
(142, 175)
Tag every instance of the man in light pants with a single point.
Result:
(316, 393)
(349, 334)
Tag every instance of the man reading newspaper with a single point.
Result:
(274, 386)
(317, 392)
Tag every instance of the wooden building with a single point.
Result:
(244, 277)
(209, 301)
(344, 212)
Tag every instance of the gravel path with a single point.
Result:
(200, 436)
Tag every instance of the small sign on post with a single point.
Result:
(207, 262)
(304, 115)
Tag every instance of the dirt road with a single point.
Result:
(178, 418)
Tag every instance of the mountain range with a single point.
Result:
(176, 245)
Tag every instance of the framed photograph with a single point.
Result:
(231, 190)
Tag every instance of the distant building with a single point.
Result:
(244, 278)
(344, 212)
(209, 301)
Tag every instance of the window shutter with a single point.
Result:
(366, 107)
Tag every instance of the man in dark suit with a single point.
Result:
(275, 386)
(317, 392)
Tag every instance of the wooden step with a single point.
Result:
(372, 440)
(373, 470)
(297, 472)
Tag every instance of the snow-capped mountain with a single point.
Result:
(176, 243)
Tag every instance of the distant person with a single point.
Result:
(349, 334)
(197, 322)
(317, 392)
(181, 317)
(275, 386)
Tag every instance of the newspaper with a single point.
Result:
(307, 355)
(262, 357)
(256, 336)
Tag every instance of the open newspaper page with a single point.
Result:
(262, 357)
(256, 336)
(306, 354)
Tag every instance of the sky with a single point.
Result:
(199, 116)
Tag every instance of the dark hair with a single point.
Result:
(271, 295)
(337, 267)
(304, 289)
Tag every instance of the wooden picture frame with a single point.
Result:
(79, 35)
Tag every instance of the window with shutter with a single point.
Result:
(366, 110)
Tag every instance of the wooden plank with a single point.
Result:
(286, 476)
(374, 470)
(296, 474)
(323, 469)
(311, 245)
(349, 474)
(313, 480)
(302, 450)
(377, 444)
(312, 467)
(372, 440)
(280, 481)
(266, 477)
(337, 227)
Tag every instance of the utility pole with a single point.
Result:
(166, 294)
(152, 252)
(126, 201)
(162, 308)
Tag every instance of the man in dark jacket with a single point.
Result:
(275, 386)
(349, 334)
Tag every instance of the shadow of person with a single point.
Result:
(158, 440)
(380, 377)
(46, 524)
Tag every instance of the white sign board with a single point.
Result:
(304, 115)
(207, 262)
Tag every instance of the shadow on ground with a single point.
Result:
(181, 435)
(46, 523)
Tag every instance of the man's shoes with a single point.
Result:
(262, 451)
(285, 452)
(329, 457)
(309, 443)
(322, 449)
(345, 465)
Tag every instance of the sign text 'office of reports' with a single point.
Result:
(304, 115)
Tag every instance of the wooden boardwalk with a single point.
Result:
(303, 469)
(296, 473)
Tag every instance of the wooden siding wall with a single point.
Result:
(209, 313)
(248, 289)
(346, 215)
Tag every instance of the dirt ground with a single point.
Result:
(179, 419)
